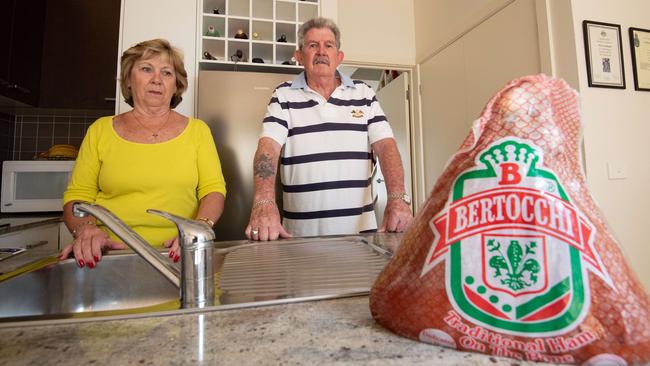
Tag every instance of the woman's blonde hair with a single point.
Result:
(144, 51)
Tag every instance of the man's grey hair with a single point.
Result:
(319, 22)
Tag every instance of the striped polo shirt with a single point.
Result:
(326, 158)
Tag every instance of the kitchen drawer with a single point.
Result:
(65, 237)
(42, 237)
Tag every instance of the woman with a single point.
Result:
(148, 157)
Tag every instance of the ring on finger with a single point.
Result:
(254, 232)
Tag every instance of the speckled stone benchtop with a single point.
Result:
(340, 332)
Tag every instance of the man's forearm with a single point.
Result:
(265, 167)
(391, 164)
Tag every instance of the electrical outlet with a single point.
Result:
(616, 170)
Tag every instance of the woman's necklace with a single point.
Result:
(155, 133)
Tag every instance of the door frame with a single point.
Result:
(415, 145)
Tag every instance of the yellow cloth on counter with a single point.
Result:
(128, 177)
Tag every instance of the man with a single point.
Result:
(327, 124)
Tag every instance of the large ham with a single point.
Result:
(510, 256)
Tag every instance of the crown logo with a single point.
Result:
(357, 113)
(510, 160)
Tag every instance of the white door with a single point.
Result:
(395, 103)
(458, 81)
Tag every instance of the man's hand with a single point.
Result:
(264, 223)
(397, 216)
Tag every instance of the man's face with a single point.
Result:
(319, 54)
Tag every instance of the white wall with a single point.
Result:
(374, 31)
(173, 20)
(617, 127)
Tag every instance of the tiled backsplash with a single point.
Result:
(25, 133)
(6, 136)
(38, 129)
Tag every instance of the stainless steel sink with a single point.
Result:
(248, 275)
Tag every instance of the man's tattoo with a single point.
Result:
(263, 166)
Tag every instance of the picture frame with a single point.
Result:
(640, 51)
(604, 54)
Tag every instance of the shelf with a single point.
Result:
(236, 45)
(307, 11)
(287, 29)
(264, 30)
(236, 25)
(284, 52)
(238, 8)
(210, 5)
(262, 9)
(218, 27)
(285, 11)
(262, 51)
(215, 47)
(263, 22)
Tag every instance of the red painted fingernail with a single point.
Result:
(91, 265)
(81, 263)
(176, 258)
(96, 258)
(171, 254)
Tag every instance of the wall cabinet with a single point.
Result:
(80, 54)
(174, 20)
(252, 32)
(21, 37)
(59, 53)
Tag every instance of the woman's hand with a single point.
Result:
(174, 248)
(88, 246)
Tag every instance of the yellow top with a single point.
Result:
(128, 177)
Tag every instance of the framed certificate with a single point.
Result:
(604, 53)
(640, 49)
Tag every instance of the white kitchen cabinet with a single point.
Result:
(42, 237)
(173, 20)
(264, 31)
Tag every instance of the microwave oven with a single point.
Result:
(34, 186)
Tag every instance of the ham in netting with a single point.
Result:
(510, 255)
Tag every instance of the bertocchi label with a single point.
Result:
(516, 249)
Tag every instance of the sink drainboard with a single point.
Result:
(296, 269)
(253, 274)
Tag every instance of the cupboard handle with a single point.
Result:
(109, 99)
(19, 88)
(37, 244)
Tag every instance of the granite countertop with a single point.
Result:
(339, 331)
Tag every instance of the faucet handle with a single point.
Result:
(189, 231)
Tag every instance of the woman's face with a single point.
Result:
(153, 82)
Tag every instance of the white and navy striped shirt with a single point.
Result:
(326, 160)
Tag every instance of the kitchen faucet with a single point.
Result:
(196, 278)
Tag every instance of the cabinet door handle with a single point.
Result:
(111, 99)
(37, 244)
(19, 88)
